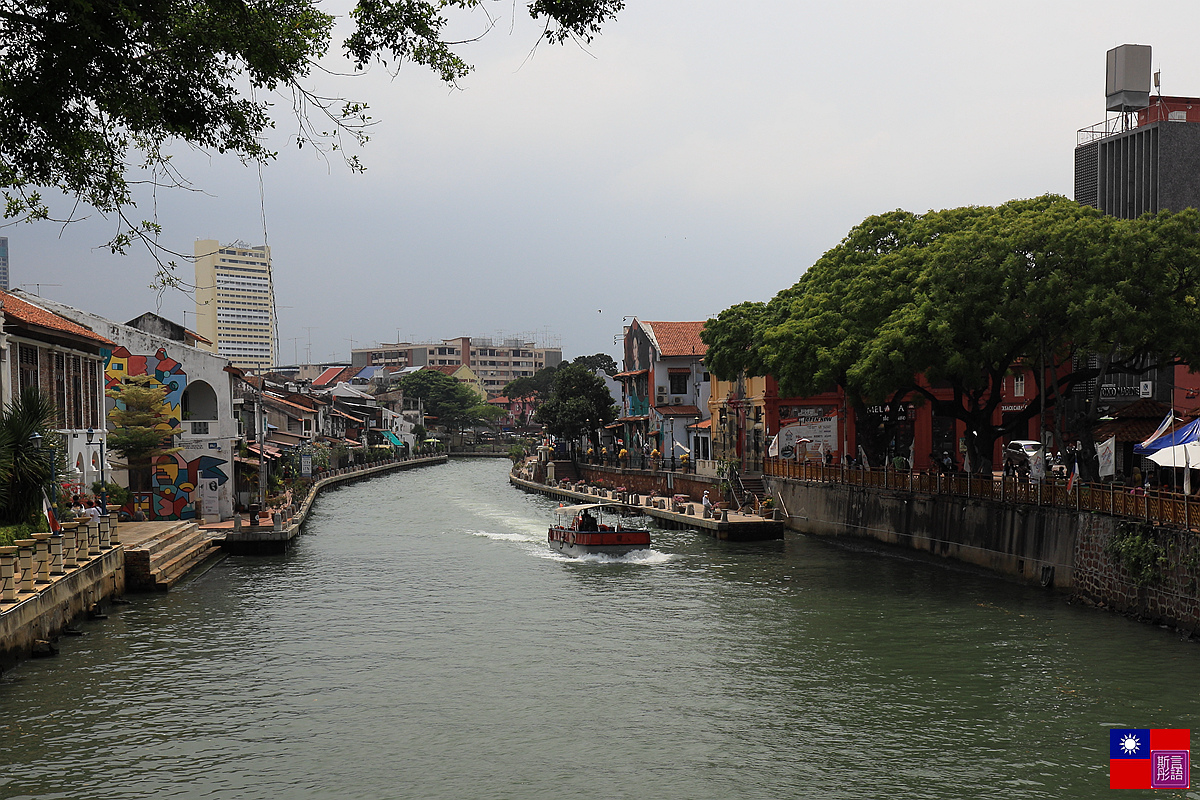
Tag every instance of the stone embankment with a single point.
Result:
(47, 581)
(1076, 552)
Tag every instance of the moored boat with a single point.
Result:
(593, 529)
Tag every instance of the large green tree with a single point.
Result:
(444, 397)
(962, 297)
(538, 385)
(142, 429)
(598, 361)
(579, 403)
(93, 91)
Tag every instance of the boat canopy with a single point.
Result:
(579, 509)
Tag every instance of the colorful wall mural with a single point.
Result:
(165, 370)
(181, 478)
(178, 482)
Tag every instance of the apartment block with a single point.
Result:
(235, 302)
(494, 363)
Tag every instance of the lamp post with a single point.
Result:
(91, 433)
(35, 439)
(672, 444)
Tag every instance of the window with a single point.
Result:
(27, 358)
(1018, 385)
(679, 383)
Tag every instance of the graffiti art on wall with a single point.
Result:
(161, 367)
(176, 479)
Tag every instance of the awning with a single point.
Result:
(705, 425)
(391, 437)
(631, 373)
(678, 411)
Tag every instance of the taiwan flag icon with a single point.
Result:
(1149, 758)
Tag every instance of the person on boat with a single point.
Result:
(587, 522)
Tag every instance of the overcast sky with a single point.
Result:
(697, 154)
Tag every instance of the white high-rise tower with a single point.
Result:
(235, 302)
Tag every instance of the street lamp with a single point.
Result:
(91, 433)
(35, 439)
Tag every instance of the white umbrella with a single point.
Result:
(1186, 455)
(1181, 455)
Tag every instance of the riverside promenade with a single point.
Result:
(48, 581)
(275, 529)
(670, 512)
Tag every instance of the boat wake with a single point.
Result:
(534, 536)
(648, 557)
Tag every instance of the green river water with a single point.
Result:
(420, 641)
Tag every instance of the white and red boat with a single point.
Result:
(593, 529)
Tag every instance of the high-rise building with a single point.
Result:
(1145, 157)
(4, 263)
(235, 302)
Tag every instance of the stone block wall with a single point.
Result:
(1171, 599)
(645, 482)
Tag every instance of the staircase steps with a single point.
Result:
(565, 470)
(159, 563)
(750, 490)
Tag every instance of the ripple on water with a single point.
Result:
(421, 640)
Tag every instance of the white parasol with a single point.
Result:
(1185, 455)
(1181, 455)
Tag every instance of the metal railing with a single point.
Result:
(1167, 509)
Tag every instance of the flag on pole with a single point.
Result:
(1074, 476)
(51, 518)
(1163, 427)
(1107, 453)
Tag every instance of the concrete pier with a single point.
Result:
(728, 526)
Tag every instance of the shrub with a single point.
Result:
(1134, 547)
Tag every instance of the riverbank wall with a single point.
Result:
(647, 482)
(1073, 552)
(41, 608)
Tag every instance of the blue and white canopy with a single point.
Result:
(1188, 433)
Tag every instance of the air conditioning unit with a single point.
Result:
(662, 399)
(676, 401)
(662, 390)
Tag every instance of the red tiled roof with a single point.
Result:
(279, 402)
(327, 376)
(677, 338)
(448, 369)
(30, 314)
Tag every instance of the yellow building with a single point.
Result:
(235, 302)
(739, 420)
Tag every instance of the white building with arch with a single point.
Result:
(197, 482)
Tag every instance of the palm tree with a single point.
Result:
(27, 454)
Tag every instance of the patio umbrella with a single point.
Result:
(1185, 455)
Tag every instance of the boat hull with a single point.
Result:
(607, 543)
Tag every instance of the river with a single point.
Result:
(420, 641)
